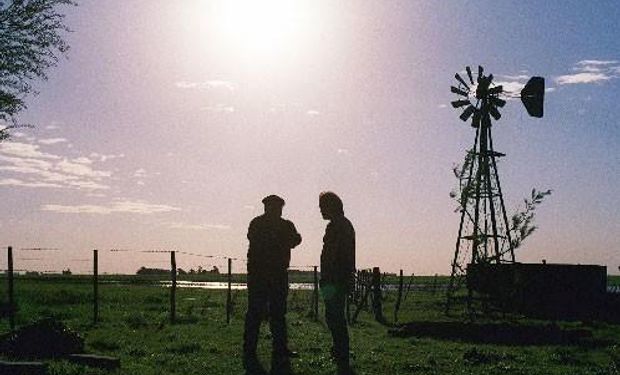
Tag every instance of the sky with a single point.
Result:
(170, 120)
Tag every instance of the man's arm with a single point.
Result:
(294, 237)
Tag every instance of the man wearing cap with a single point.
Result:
(271, 240)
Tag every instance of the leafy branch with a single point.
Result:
(31, 42)
(521, 223)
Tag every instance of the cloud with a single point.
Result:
(520, 77)
(313, 112)
(80, 169)
(53, 126)
(121, 206)
(179, 225)
(513, 86)
(591, 71)
(140, 173)
(46, 170)
(206, 85)
(586, 77)
(16, 182)
(597, 62)
(24, 150)
(219, 108)
(52, 141)
(102, 157)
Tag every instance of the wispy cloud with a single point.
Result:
(591, 71)
(313, 112)
(512, 84)
(206, 85)
(103, 157)
(16, 182)
(24, 150)
(47, 170)
(120, 206)
(180, 225)
(219, 108)
(52, 141)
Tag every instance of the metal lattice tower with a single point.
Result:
(484, 233)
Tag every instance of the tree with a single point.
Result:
(30, 43)
(521, 224)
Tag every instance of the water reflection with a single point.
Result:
(224, 285)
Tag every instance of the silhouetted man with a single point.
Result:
(337, 272)
(271, 240)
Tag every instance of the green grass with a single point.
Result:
(135, 327)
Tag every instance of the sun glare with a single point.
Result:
(266, 29)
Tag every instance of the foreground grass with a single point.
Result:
(135, 327)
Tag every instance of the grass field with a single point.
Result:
(135, 327)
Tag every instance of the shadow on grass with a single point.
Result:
(497, 333)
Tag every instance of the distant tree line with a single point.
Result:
(180, 271)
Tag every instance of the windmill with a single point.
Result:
(484, 233)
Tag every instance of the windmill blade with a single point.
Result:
(480, 71)
(496, 90)
(458, 91)
(533, 95)
(467, 113)
(459, 103)
(494, 112)
(471, 78)
(458, 78)
(497, 101)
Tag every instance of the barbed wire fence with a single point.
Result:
(9, 309)
(367, 293)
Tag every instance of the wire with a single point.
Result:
(39, 249)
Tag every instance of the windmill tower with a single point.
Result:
(484, 231)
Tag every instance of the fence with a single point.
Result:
(369, 286)
(9, 308)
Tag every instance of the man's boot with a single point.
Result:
(280, 364)
(252, 365)
(344, 368)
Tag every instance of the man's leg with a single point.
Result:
(257, 301)
(277, 321)
(337, 324)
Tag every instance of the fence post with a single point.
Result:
(11, 295)
(376, 289)
(315, 294)
(435, 284)
(173, 287)
(95, 286)
(400, 296)
(229, 295)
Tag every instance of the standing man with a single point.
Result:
(337, 272)
(271, 240)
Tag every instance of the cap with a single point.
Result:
(273, 200)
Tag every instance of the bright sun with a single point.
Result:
(264, 29)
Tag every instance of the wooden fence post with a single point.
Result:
(400, 296)
(229, 295)
(95, 286)
(377, 305)
(315, 294)
(11, 291)
(173, 287)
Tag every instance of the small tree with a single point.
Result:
(30, 43)
(521, 224)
